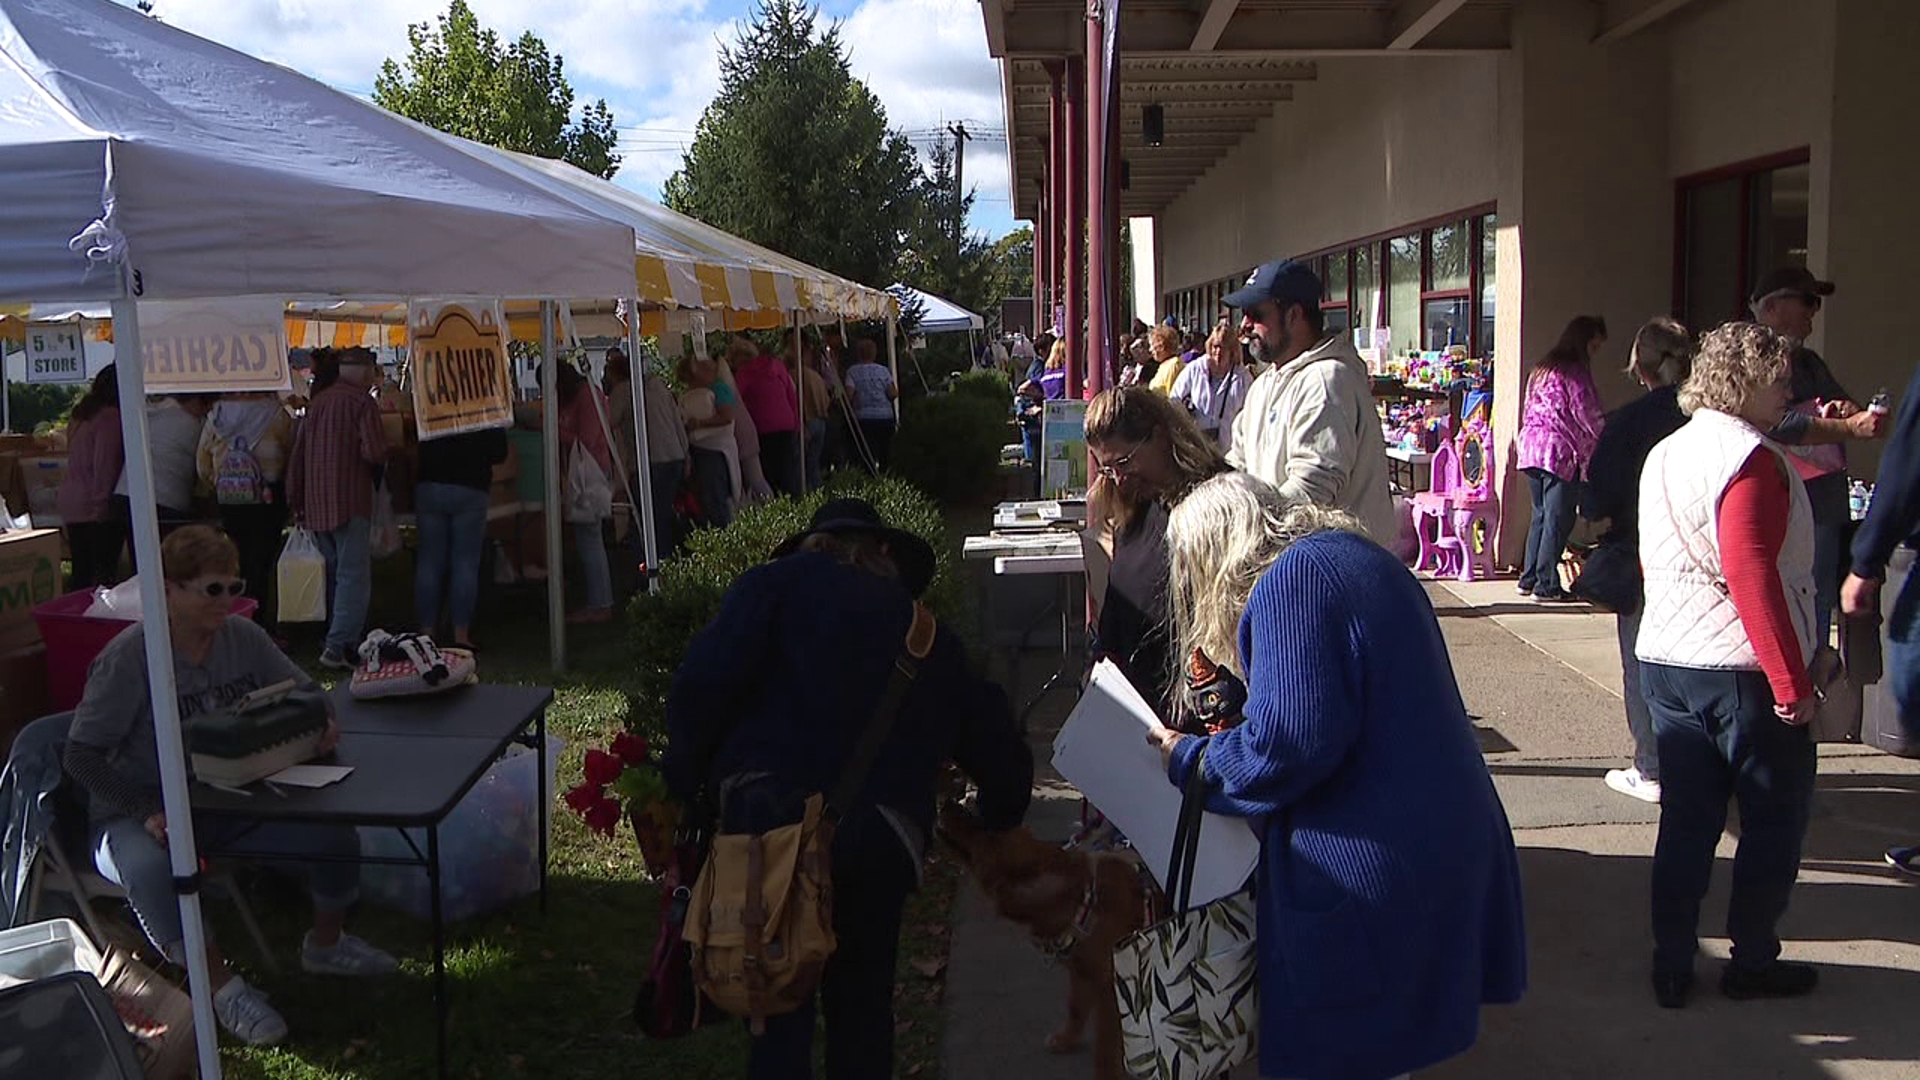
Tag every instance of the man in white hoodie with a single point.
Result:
(1309, 426)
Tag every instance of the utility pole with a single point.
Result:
(960, 137)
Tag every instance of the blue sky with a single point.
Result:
(656, 63)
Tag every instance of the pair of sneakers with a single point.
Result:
(247, 1014)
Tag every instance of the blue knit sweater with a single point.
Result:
(1388, 888)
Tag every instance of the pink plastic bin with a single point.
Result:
(73, 640)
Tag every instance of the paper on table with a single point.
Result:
(1103, 751)
(311, 776)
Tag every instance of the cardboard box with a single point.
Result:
(40, 480)
(29, 576)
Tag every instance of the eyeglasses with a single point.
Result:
(1812, 301)
(1116, 469)
(216, 589)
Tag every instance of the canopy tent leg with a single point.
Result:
(181, 852)
(800, 399)
(550, 443)
(6, 392)
(636, 380)
(893, 360)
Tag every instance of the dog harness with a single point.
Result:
(1060, 946)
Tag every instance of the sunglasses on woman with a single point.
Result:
(216, 589)
(1116, 469)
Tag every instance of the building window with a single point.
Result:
(1733, 225)
(1404, 276)
(1427, 287)
(1487, 227)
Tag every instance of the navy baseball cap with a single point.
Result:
(1286, 280)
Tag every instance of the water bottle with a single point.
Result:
(1857, 501)
(1882, 403)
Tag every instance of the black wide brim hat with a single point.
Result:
(912, 555)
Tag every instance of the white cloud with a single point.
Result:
(656, 62)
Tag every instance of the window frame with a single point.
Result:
(1745, 172)
(1474, 217)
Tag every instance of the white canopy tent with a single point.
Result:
(140, 163)
(940, 315)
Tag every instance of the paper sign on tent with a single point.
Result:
(1103, 751)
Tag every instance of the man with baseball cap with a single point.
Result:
(1820, 416)
(1309, 426)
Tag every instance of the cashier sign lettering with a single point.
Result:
(459, 373)
(214, 345)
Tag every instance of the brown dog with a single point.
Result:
(1077, 905)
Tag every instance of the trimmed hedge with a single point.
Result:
(949, 444)
(693, 582)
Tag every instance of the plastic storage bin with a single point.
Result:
(73, 640)
(489, 849)
(44, 949)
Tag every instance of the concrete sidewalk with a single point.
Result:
(1542, 682)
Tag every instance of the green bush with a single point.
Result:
(949, 445)
(693, 582)
(984, 384)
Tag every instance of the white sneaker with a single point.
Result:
(244, 1012)
(348, 956)
(1630, 782)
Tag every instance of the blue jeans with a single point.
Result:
(1646, 750)
(349, 582)
(668, 478)
(453, 534)
(1902, 661)
(713, 486)
(596, 576)
(127, 855)
(1554, 501)
(1719, 738)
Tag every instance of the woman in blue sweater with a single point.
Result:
(1388, 888)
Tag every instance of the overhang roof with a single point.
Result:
(1217, 67)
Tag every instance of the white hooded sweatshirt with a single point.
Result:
(1310, 428)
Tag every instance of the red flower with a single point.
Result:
(603, 816)
(582, 799)
(602, 768)
(631, 748)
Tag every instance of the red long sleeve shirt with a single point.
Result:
(1752, 523)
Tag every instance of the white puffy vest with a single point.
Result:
(1689, 619)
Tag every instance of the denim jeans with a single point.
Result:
(1902, 660)
(596, 575)
(259, 532)
(349, 582)
(1646, 751)
(667, 478)
(1554, 501)
(1719, 738)
(713, 486)
(780, 460)
(453, 533)
(127, 855)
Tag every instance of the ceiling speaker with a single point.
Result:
(1153, 124)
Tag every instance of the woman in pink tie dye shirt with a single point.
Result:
(1559, 427)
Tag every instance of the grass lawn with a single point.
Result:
(532, 995)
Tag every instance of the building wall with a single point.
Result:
(1371, 144)
(1748, 78)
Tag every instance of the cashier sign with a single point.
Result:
(234, 345)
(458, 356)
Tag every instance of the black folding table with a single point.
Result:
(413, 760)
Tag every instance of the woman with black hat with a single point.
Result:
(778, 689)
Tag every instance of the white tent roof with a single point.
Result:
(940, 315)
(225, 175)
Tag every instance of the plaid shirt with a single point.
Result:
(335, 451)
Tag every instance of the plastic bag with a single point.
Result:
(302, 580)
(383, 539)
(120, 602)
(589, 498)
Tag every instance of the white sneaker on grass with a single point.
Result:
(1630, 782)
(244, 1012)
(348, 956)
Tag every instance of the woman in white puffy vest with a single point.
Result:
(1726, 541)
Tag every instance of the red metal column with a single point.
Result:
(1039, 293)
(1074, 221)
(1056, 181)
(1100, 200)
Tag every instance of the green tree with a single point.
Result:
(460, 78)
(940, 256)
(794, 153)
(1012, 265)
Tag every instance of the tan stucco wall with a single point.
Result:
(1748, 78)
(1372, 144)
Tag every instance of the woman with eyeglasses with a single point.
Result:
(218, 658)
(1147, 453)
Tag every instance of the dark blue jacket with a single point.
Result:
(1388, 887)
(796, 662)
(1613, 477)
(1895, 514)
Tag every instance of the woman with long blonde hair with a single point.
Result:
(1147, 455)
(1388, 890)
